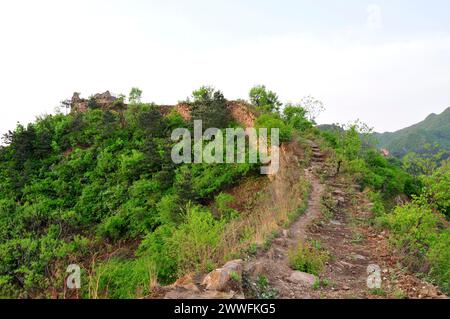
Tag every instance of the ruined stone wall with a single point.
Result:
(102, 100)
(240, 111)
(78, 105)
(184, 111)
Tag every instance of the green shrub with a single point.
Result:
(439, 259)
(169, 210)
(113, 227)
(436, 189)
(264, 100)
(195, 241)
(156, 246)
(189, 247)
(307, 258)
(378, 204)
(420, 233)
(122, 279)
(222, 203)
(270, 121)
(295, 117)
(210, 106)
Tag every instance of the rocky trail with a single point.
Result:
(336, 220)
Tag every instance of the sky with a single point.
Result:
(384, 62)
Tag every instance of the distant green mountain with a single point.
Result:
(435, 129)
(330, 127)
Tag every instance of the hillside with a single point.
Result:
(99, 188)
(435, 129)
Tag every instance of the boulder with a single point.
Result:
(223, 279)
(302, 278)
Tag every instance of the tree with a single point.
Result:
(135, 96)
(313, 107)
(436, 189)
(295, 116)
(66, 104)
(204, 94)
(210, 106)
(265, 100)
(423, 164)
(152, 122)
(92, 103)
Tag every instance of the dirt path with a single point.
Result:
(274, 264)
(336, 220)
(341, 229)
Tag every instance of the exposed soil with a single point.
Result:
(350, 241)
(338, 217)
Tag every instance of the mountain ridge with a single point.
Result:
(435, 128)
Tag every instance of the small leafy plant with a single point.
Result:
(308, 258)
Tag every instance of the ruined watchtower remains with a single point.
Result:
(101, 100)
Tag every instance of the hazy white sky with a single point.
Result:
(386, 62)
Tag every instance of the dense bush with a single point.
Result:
(122, 279)
(210, 106)
(354, 155)
(296, 117)
(423, 238)
(107, 175)
(264, 100)
(273, 120)
(436, 189)
(418, 228)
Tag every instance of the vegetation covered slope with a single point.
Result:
(70, 185)
(435, 129)
(99, 189)
(418, 223)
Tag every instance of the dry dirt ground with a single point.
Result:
(350, 242)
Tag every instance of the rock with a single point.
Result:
(346, 264)
(191, 287)
(76, 97)
(77, 104)
(340, 200)
(280, 241)
(102, 100)
(338, 192)
(278, 253)
(255, 269)
(358, 257)
(303, 278)
(285, 233)
(336, 223)
(183, 281)
(222, 279)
